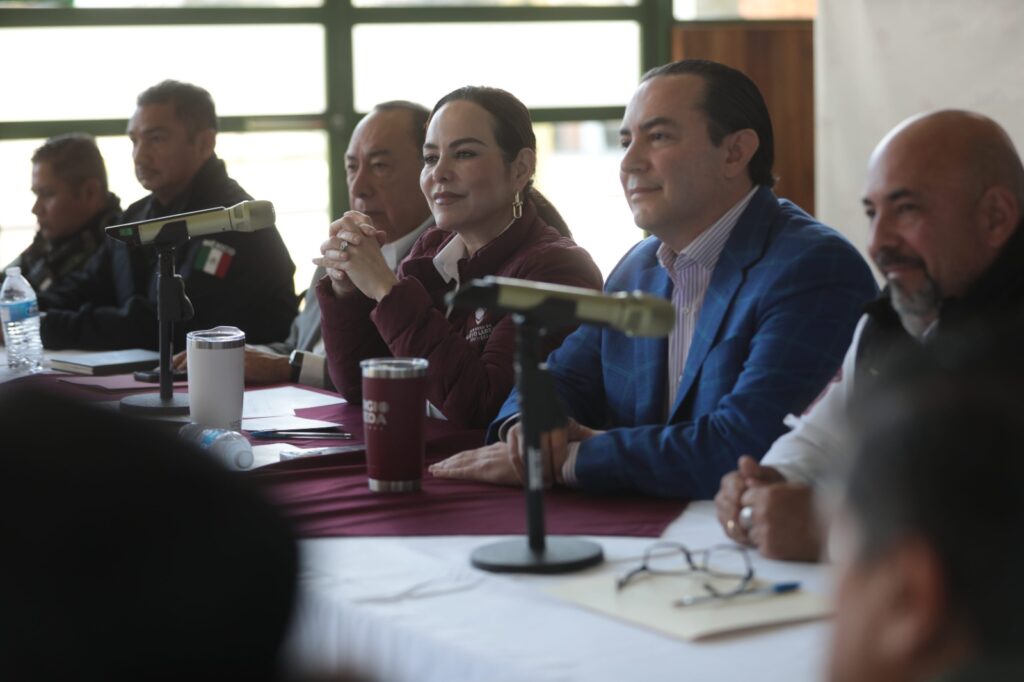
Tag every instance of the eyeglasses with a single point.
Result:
(727, 568)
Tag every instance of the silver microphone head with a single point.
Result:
(257, 214)
(646, 315)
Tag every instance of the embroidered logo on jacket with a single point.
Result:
(479, 334)
(214, 258)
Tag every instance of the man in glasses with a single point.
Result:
(929, 572)
(766, 299)
(945, 195)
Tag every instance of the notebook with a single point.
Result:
(107, 362)
(649, 604)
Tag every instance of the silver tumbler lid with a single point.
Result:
(217, 338)
(394, 368)
(379, 486)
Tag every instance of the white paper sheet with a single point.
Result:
(275, 402)
(283, 422)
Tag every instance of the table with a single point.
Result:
(414, 609)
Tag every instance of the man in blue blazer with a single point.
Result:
(766, 301)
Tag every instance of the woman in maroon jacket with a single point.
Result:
(479, 158)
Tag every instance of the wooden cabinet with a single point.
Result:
(779, 57)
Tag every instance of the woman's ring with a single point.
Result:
(344, 245)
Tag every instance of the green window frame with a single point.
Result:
(337, 17)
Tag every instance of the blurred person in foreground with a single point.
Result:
(382, 167)
(232, 278)
(766, 300)
(926, 543)
(945, 193)
(130, 555)
(73, 206)
(479, 160)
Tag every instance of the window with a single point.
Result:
(288, 168)
(260, 70)
(598, 66)
(291, 77)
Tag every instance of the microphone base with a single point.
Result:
(151, 405)
(560, 555)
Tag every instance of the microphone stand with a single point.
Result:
(172, 306)
(541, 411)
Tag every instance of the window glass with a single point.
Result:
(287, 168)
(545, 64)
(97, 72)
(744, 9)
(486, 3)
(578, 171)
(196, 3)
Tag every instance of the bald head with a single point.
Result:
(944, 195)
(953, 140)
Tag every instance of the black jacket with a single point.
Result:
(46, 262)
(111, 302)
(994, 302)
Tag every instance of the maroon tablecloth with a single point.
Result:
(328, 496)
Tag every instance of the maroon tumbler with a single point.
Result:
(394, 410)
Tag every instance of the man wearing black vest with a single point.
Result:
(232, 278)
(945, 195)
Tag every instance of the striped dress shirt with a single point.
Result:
(690, 272)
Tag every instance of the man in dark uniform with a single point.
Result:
(240, 279)
(72, 207)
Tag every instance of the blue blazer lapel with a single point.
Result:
(652, 279)
(746, 244)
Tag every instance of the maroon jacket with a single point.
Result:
(470, 372)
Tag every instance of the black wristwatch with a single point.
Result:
(295, 360)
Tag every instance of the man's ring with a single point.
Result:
(344, 245)
(747, 518)
(730, 526)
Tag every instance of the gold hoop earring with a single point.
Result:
(517, 207)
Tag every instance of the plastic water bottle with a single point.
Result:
(19, 311)
(230, 448)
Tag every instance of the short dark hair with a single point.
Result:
(513, 131)
(731, 102)
(418, 115)
(74, 158)
(193, 105)
(939, 458)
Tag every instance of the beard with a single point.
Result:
(918, 308)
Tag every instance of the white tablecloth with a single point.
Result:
(414, 609)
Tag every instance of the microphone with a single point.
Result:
(245, 216)
(555, 305)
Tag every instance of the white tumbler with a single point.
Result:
(216, 377)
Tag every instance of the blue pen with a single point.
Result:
(767, 590)
(326, 432)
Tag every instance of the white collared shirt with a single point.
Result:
(446, 262)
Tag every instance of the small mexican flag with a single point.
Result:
(214, 258)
